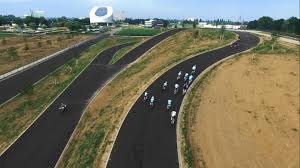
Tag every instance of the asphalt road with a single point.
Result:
(146, 138)
(13, 85)
(42, 144)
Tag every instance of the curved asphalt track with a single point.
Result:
(146, 138)
(42, 144)
(11, 86)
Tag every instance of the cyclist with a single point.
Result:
(169, 105)
(194, 69)
(179, 75)
(152, 101)
(176, 88)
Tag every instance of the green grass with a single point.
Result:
(138, 32)
(20, 112)
(5, 35)
(118, 55)
(266, 48)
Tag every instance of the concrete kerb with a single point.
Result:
(51, 101)
(35, 63)
(115, 133)
(95, 95)
(179, 136)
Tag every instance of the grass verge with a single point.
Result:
(138, 32)
(193, 98)
(110, 106)
(19, 113)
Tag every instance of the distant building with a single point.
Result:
(150, 23)
(101, 15)
(212, 26)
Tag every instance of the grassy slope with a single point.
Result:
(94, 134)
(138, 32)
(190, 106)
(34, 51)
(19, 113)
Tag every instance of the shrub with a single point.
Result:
(49, 42)
(39, 44)
(26, 47)
(12, 52)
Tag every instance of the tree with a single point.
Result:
(252, 24)
(74, 25)
(33, 26)
(222, 31)
(265, 23)
(12, 52)
(196, 35)
(277, 24)
(195, 24)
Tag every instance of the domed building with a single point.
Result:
(101, 15)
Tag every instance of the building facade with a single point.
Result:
(101, 15)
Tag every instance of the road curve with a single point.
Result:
(11, 86)
(42, 144)
(146, 138)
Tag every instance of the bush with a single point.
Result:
(49, 42)
(26, 47)
(12, 52)
(39, 44)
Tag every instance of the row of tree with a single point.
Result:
(291, 25)
(34, 22)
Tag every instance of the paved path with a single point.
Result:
(41, 145)
(146, 138)
(11, 86)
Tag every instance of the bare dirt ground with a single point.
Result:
(31, 48)
(248, 115)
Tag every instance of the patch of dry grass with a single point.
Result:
(28, 48)
(247, 107)
(107, 110)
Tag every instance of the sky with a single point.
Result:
(167, 9)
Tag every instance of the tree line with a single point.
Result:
(291, 25)
(35, 22)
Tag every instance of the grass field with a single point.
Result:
(93, 137)
(17, 51)
(18, 114)
(248, 105)
(138, 32)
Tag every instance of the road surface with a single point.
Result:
(11, 86)
(42, 144)
(146, 138)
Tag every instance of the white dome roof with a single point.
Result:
(101, 14)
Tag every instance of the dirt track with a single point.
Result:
(146, 138)
(248, 114)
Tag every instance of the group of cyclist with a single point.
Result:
(187, 78)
